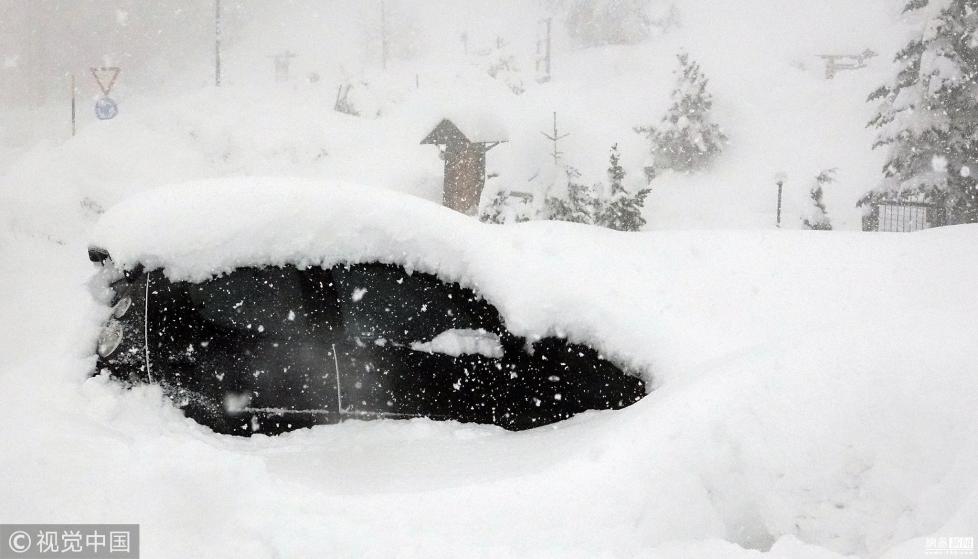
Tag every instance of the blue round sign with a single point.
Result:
(106, 109)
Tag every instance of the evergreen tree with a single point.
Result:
(686, 139)
(581, 206)
(819, 218)
(618, 210)
(622, 211)
(928, 116)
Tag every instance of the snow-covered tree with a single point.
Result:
(686, 139)
(581, 204)
(818, 219)
(928, 115)
(622, 211)
(505, 207)
(607, 22)
(503, 66)
(617, 209)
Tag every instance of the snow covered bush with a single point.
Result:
(818, 219)
(506, 207)
(593, 204)
(622, 211)
(503, 66)
(928, 116)
(686, 139)
(581, 204)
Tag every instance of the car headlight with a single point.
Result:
(120, 308)
(110, 338)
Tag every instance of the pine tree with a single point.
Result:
(686, 139)
(622, 211)
(617, 210)
(819, 218)
(581, 206)
(928, 116)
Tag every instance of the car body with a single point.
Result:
(270, 348)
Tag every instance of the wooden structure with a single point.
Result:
(836, 62)
(465, 162)
(282, 61)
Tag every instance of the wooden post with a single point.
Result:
(544, 44)
(550, 21)
(217, 43)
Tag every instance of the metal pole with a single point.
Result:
(217, 43)
(383, 35)
(72, 76)
(549, 22)
(780, 187)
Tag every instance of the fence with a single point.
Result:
(902, 217)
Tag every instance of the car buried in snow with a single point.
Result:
(269, 345)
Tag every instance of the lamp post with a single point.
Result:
(780, 179)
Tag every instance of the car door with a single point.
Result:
(256, 340)
(391, 369)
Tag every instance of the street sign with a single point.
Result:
(105, 77)
(106, 109)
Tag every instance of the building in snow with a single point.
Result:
(463, 143)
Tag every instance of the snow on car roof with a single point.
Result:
(197, 230)
(614, 291)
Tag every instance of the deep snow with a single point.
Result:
(795, 401)
(770, 97)
(815, 392)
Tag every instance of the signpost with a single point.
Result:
(105, 107)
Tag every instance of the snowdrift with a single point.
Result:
(811, 387)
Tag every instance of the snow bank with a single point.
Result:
(816, 391)
(813, 387)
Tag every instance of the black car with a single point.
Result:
(278, 348)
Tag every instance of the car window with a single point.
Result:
(385, 302)
(262, 333)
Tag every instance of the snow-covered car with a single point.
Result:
(279, 337)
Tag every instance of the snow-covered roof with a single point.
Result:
(477, 126)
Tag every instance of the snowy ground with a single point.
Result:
(796, 402)
(816, 392)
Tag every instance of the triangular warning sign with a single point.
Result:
(105, 77)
